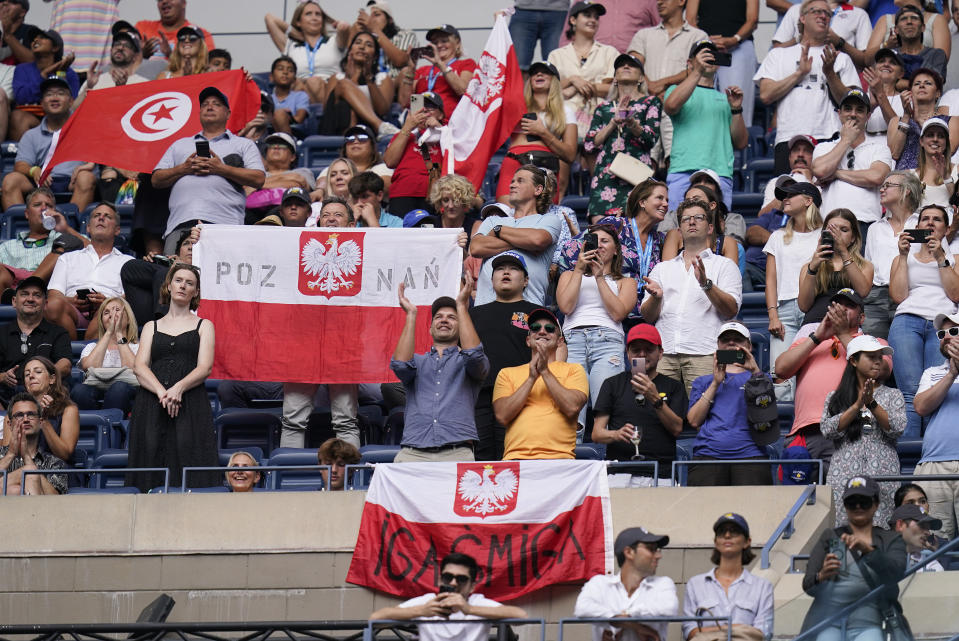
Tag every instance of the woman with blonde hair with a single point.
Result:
(239, 479)
(338, 176)
(116, 347)
(836, 265)
(188, 57)
(546, 140)
(452, 198)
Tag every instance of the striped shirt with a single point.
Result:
(85, 26)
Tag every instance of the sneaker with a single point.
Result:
(386, 130)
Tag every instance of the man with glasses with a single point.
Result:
(817, 358)
(938, 398)
(805, 81)
(639, 413)
(689, 297)
(539, 403)
(160, 35)
(635, 592)
(853, 167)
(30, 335)
(23, 453)
(455, 601)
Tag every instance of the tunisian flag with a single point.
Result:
(319, 305)
(131, 126)
(488, 112)
(528, 524)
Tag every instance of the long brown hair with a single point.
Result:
(616, 267)
(639, 193)
(825, 271)
(59, 393)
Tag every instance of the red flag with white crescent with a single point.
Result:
(131, 126)
(489, 110)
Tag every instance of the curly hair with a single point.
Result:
(335, 449)
(457, 187)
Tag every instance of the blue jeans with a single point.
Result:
(527, 26)
(791, 318)
(600, 351)
(678, 183)
(917, 348)
(119, 396)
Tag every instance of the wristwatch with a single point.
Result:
(945, 263)
(497, 230)
(122, 340)
(708, 285)
(659, 402)
(872, 405)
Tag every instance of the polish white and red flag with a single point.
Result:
(489, 110)
(318, 305)
(529, 524)
(131, 126)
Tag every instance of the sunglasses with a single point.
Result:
(460, 579)
(850, 159)
(357, 138)
(858, 503)
(952, 331)
(549, 327)
(23, 343)
(39, 242)
(187, 37)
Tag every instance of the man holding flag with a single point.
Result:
(208, 171)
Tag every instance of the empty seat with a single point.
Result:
(752, 311)
(109, 460)
(588, 452)
(293, 479)
(95, 434)
(255, 452)
(756, 173)
(317, 151)
(760, 343)
(242, 428)
(378, 453)
(909, 454)
(748, 204)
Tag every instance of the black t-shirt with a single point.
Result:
(503, 329)
(46, 339)
(618, 400)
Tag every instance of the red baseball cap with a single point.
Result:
(644, 332)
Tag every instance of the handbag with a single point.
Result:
(632, 170)
(103, 377)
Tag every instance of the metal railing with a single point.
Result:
(785, 528)
(747, 461)
(114, 470)
(647, 620)
(611, 466)
(843, 614)
(257, 468)
(502, 625)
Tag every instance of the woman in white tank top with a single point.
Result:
(596, 297)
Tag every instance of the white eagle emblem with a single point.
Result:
(488, 81)
(487, 493)
(330, 266)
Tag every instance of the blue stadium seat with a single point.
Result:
(787, 412)
(752, 311)
(13, 221)
(123, 489)
(760, 343)
(95, 434)
(317, 151)
(243, 428)
(7, 313)
(109, 460)
(8, 156)
(747, 204)
(909, 454)
(378, 453)
(684, 451)
(77, 348)
(283, 479)
(588, 452)
(392, 431)
(757, 173)
(488, 190)
(255, 452)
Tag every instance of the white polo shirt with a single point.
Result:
(454, 631)
(688, 322)
(84, 269)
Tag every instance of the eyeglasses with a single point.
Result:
(888, 185)
(850, 159)
(38, 242)
(549, 327)
(188, 37)
(819, 12)
(358, 138)
(952, 331)
(699, 218)
(858, 503)
(19, 416)
(460, 579)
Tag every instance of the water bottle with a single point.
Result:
(49, 222)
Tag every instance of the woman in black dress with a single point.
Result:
(172, 424)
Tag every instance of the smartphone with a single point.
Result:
(160, 259)
(638, 365)
(837, 547)
(827, 239)
(730, 356)
(83, 293)
(419, 52)
(919, 236)
(203, 148)
(531, 137)
(722, 59)
(416, 103)
(590, 242)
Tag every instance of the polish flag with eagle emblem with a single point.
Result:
(489, 110)
(528, 524)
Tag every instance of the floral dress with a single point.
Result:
(873, 454)
(607, 192)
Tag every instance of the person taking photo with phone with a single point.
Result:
(204, 169)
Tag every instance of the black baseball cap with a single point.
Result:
(33, 281)
(121, 26)
(912, 512)
(806, 189)
(858, 95)
(909, 9)
(213, 91)
(705, 43)
(887, 52)
(543, 66)
(736, 519)
(861, 486)
(57, 79)
(583, 5)
(626, 59)
(49, 34)
(847, 294)
(440, 303)
(443, 29)
(296, 193)
(189, 31)
(633, 535)
(360, 130)
(434, 99)
(130, 36)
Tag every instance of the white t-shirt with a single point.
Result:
(112, 356)
(454, 631)
(790, 258)
(936, 194)
(807, 108)
(876, 123)
(862, 201)
(926, 296)
(850, 23)
(882, 247)
(326, 59)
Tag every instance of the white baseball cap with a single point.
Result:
(866, 343)
(734, 326)
(941, 318)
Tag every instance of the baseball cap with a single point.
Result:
(785, 180)
(713, 176)
(382, 5)
(511, 257)
(942, 318)
(856, 94)
(934, 121)
(495, 209)
(626, 59)
(130, 36)
(911, 511)
(418, 218)
(644, 332)
(804, 188)
(541, 312)
(890, 53)
(440, 303)
(433, 98)
(909, 9)
(49, 34)
(633, 535)
(271, 219)
(543, 66)
(801, 138)
(214, 92)
(56, 79)
(849, 294)
(583, 5)
(444, 29)
(281, 137)
(360, 130)
(121, 26)
(866, 343)
(297, 193)
(762, 413)
(187, 30)
(33, 281)
(861, 486)
(734, 326)
(705, 43)
(735, 519)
